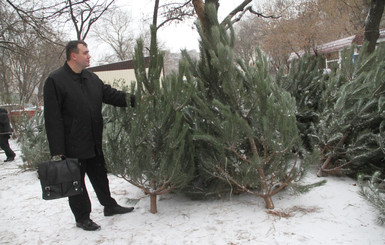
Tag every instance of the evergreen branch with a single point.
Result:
(255, 103)
(142, 187)
(159, 191)
(292, 171)
(306, 188)
(252, 143)
(273, 154)
(372, 193)
(229, 181)
(380, 88)
(232, 149)
(181, 106)
(259, 167)
(290, 178)
(326, 164)
(165, 191)
(240, 186)
(282, 185)
(272, 179)
(338, 169)
(163, 187)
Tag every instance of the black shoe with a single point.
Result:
(88, 225)
(109, 211)
(9, 159)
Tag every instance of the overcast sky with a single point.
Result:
(175, 37)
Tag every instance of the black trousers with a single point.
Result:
(97, 174)
(4, 144)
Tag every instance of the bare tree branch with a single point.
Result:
(33, 18)
(83, 15)
(242, 9)
(175, 12)
(238, 9)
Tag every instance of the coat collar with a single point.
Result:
(68, 69)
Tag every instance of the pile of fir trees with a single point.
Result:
(342, 114)
(344, 111)
(219, 126)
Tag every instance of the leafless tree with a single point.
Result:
(250, 33)
(174, 12)
(33, 14)
(116, 30)
(303, 26)
(372, 23)
(26, 52)
(83, 14)
(30, 45)
(29, 67)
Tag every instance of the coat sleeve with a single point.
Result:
(117, 98)
(54, 124)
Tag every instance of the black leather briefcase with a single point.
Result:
(60, 178)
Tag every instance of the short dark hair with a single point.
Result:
(72, 47)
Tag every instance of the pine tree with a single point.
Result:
(350, 131)
(373, 191)
(34, 142)
(150, 145)
(305, 81)
(244, 125)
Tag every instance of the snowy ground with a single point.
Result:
(330, 214)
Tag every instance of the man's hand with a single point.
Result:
(58, 157)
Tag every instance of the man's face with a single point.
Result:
(82, 58)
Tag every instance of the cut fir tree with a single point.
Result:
(351, 130)
(244, 125)
(150, 145)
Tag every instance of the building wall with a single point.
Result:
(118, 78)
(119, 74)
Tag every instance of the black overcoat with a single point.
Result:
(72, 111)
(5, 126)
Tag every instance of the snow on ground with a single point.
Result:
(330, 214)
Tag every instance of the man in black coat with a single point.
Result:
(5, 134)
(73, 100)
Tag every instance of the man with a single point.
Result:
(5, 132)
(73, 100)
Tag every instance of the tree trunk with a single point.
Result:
(327, 162)
(153, 208)
(372, 23)
(199, 8)
(324, 166)
(269, 202)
